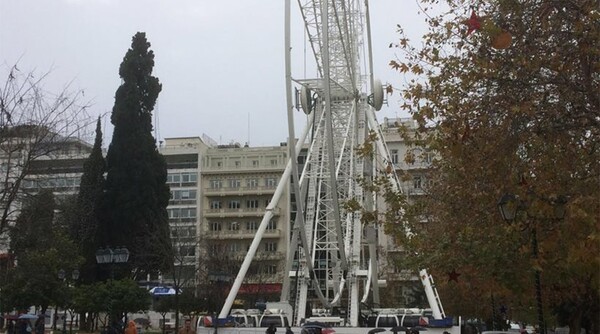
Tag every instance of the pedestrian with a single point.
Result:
(131, 328)
(288, 330)
(187, 327)
(23, 328)
(271, 329)
(40, 325)
(10, 327)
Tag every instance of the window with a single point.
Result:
(173, 213)
(185, 179)
(252, 183)
(428, 157)
(234, 226)
(271, 182)
(183, 195)
(215, 204)
(216, 184)
(272, 225)
(238, 164)
(189, 178)
(219, 164)
(174, 178)
(234, 183)
(254, 163)
(235, 247)
(234, 204)
(188, 212)
(214, 249)
(394, 156)
(273, 162)
(215, 226)
(271, 269)
(181, 213)
(187, 250)
(271, 246)
(252, 204)
(251, 226)
(417, 182)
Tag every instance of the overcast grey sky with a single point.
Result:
(221, 62)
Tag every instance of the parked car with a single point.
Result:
(316, 328)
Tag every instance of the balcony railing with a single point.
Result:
(240, 190)
(242, 212)
(240, 234)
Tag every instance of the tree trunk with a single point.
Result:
(575, 322)
(176, 309)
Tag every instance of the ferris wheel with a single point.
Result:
(329, 261)
(332, 257)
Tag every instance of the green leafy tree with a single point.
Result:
(40, 247)
(115, 298)
(164, 305)
(91, 299)
(90, 194)
(136, 195)
(189, 303)
(506, 93)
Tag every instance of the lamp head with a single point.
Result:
(508, 206)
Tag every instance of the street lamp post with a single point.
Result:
(509, 206)
(109, 256)
(62, 275)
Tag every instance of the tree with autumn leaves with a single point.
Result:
(507, 93)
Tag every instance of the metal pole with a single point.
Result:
(538, 283)
(64, 329)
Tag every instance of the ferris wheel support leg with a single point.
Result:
(432, 296)
(354, 309)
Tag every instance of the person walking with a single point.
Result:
(131, 328)
(11, 328)
(271, 329)
(40, 325)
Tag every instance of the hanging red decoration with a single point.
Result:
(453, 276)
(473, 23)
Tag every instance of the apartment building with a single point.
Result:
(238, 184)
(412, 163)
(183, 157)
(58, 165)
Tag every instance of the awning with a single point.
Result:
(162, 291)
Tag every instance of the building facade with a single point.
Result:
(412, 163)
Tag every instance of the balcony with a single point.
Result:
(240, 234)
(245, 212)
(191, 201)
(225, 191)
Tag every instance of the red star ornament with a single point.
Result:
(473, 23)
(453, 276)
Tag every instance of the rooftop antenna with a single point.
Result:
(248, 141)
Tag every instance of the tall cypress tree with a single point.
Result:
(136, 195)
(88, 201)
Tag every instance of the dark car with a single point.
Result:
(316, 328)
